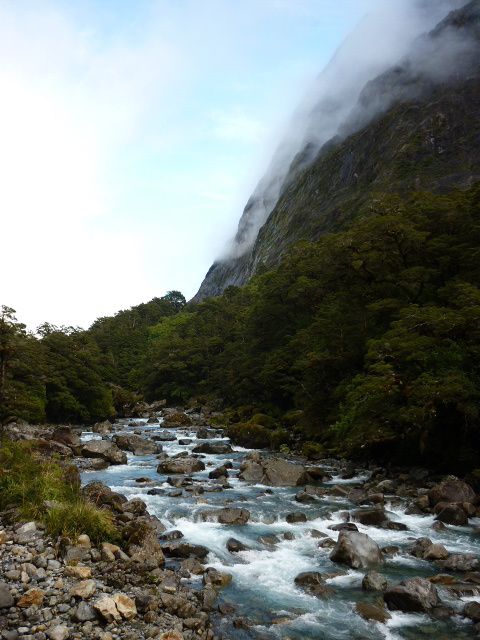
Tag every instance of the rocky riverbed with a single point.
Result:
(233, 543)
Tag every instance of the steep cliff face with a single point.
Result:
(415, 127)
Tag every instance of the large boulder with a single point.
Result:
(103, 428)
(180, 549)
(451, 490)
(370, 517)
(66, 436)
(414, 595)
(227, 515)
(425, 549)
(251, 471)
(472, 611)
(180, 466)
(460, 562)
(451, 513)
(136, 444)
(141, 541)
(357, 550)
(177, 419)
(276, 472)
(219, 472)
(203, 433)
(104, 449)
(374, 581)
(215, 448)
(49, 448)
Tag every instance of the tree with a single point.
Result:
(21, 386)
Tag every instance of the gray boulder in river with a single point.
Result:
(415, 595)
(180, 465)
(104, 449)
(451, 490)
(276, 472)
(136, 445)
(357, 550)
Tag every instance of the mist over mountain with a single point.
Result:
(417, 52)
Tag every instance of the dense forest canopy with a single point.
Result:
(365, 341)
(66, 374)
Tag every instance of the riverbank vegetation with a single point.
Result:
(36, 489)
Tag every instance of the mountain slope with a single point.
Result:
(415, 127)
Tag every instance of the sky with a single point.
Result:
(132, 134)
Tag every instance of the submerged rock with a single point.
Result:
(313, 583)
(371, 611)
(234, 545)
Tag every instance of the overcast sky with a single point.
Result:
(132, 133)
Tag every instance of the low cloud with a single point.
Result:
(331, 107)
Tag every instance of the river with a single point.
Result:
(263, 589)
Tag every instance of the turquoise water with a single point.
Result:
(263, 588)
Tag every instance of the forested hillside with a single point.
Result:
(66, 374)
(366, 341)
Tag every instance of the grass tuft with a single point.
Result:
(72, 520)
(40, 490)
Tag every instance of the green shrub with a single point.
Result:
(250, 435)
(279, 438)
(263, 420)
(313, 450)
(257, 436)
(73, 519)
(291, 418)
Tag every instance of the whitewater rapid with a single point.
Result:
(263, 588)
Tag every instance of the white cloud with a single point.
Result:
(237, 126)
